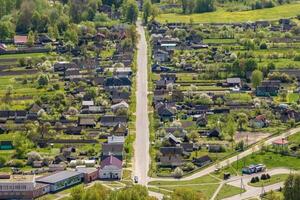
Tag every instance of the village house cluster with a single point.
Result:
(202, 77)
(84, 122)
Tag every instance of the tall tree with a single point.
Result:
(131, 11)
(256, 78)
(147, 9)
(291, 190)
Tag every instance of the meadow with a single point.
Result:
(223, 16)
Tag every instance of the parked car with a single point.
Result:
(136, 179)
(254, 169)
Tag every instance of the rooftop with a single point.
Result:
(59, 176)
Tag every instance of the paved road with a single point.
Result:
(141, 146)
(232, 159)
(255, 191)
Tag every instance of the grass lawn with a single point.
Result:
(32, 55)
(206, 190)
(294, 138)
(270, 159)
(201, 180)
(158, 190)
(284, 11)
(228, 191)
(274, 179)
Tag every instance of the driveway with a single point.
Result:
(141, 145)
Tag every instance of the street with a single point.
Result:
(141, 145)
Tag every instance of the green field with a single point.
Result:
(219, 16)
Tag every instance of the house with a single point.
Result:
(3, 47)
(216, 133)
(268, 88)
(73, 130)
(121, 105)
(187, 147)
(201, 120)
(20, 39)
(120, 130)
(89, 173)
(282, 143)
(202, 161)
(57, 167)
(172, 139)
(233, 82)
(21, 187)
(87, 122)
(166, 112)
(160, 55)
(61, 180)
(215, 148)
(119, 96)
(115, 149)
(116, 82)
(171, 156)
(115, 139)
(176, 131)
(112, 120)
(259, 121)
(110, 168)
(87, 103)
(6, 145)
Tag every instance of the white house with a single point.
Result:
(111, 168)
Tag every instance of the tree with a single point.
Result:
(31, 39)
(291, 190)
(230, 127)
(256, 78)
(204, 6)
(43, 80)
(131, 11)
(154, 12)
(7, 30)
(147, 9)
(24, 19)
(242, 120)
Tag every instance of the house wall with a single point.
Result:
(66, 183)
(110, 172)
(171, 160)
(91, 176)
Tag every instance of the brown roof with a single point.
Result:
(20, 39)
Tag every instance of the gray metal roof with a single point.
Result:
(59, 176)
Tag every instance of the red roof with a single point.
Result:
(20, 39)
(281, 142)
(111, 160)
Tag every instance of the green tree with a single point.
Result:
(147, 9)
(31, 39)
(256, 78)
(242, 120)
(230, 127)
(7, 30)
(43, 80)
(131, 11)
(291, 190)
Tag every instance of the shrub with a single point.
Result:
(16, 163)
(178, 173)
(268, 176)
(263, 46)
(2, 161)
(263, 177)
(253, 180)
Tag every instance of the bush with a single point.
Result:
(33, 156)
(16, 163)
(263, 46)
(253, 180)
(178, 173)
(297, 58)
(268, 176)
(2, 161)
(263, 177)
